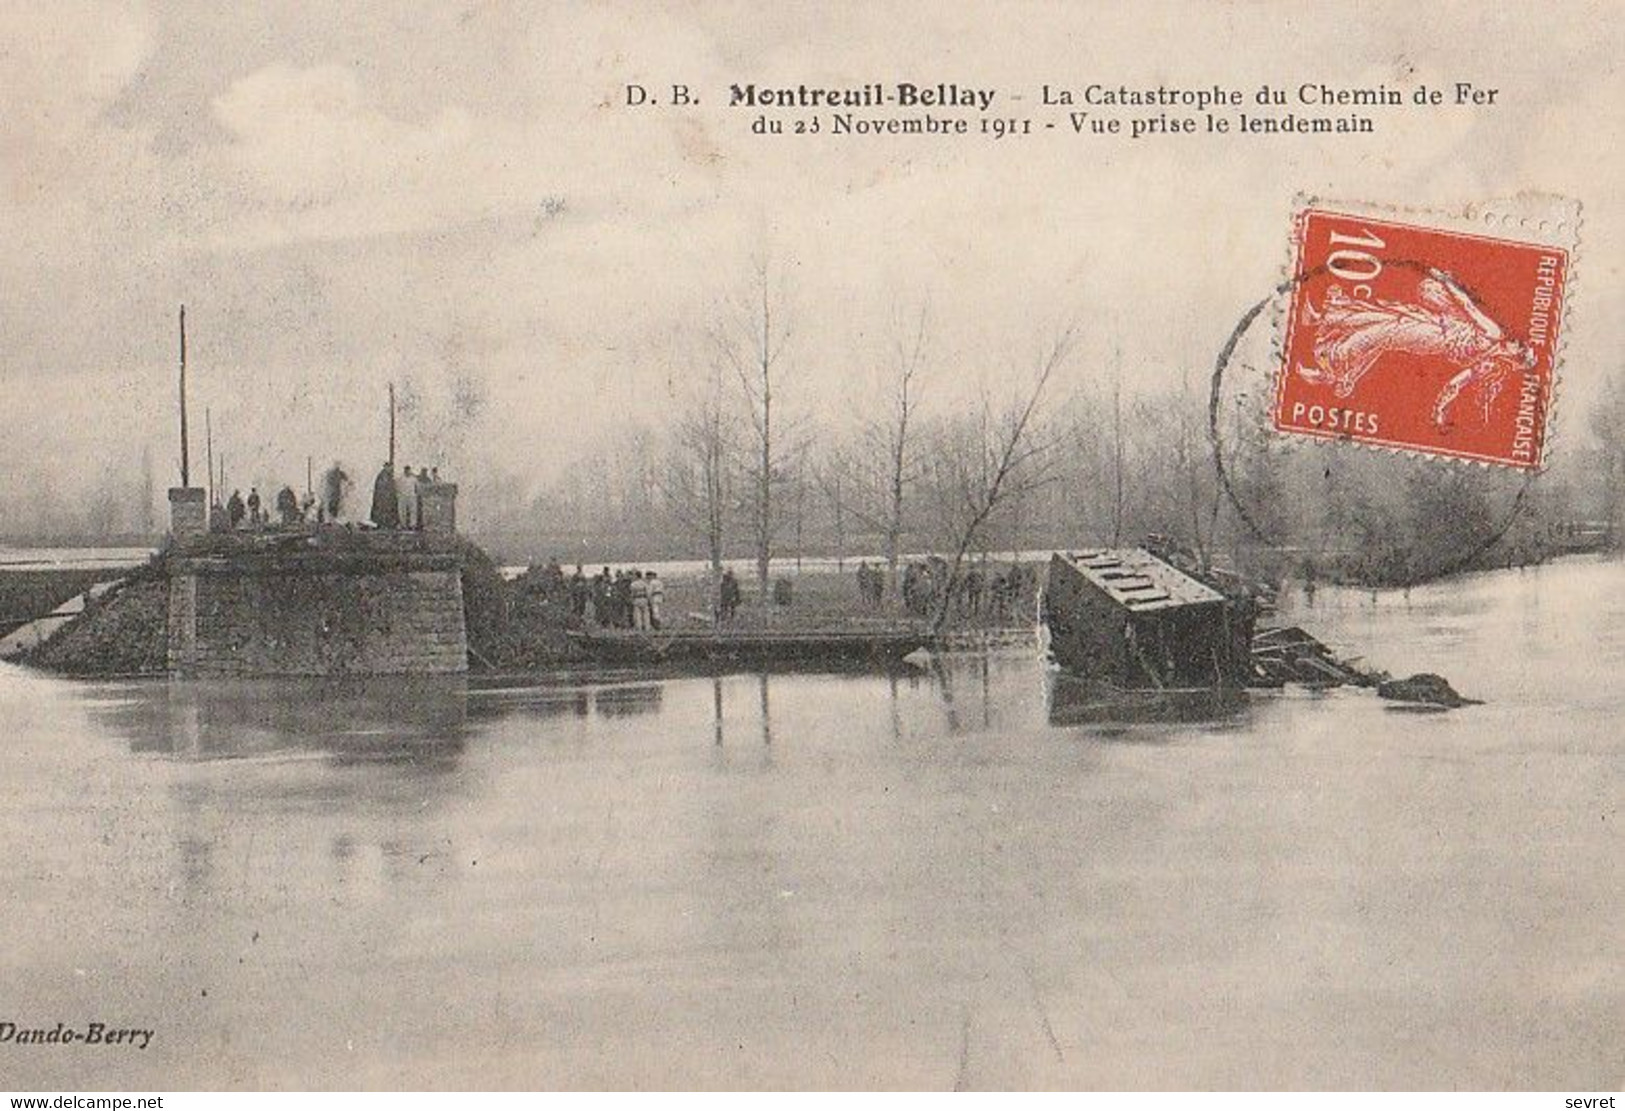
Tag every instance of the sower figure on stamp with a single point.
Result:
(1351, 336)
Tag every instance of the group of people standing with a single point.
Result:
(924, 583)
(972, 594)
(397, 502)
(251, 513)
(871, 585)
(626, 599)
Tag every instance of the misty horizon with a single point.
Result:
(536, 267)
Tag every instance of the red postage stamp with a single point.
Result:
(1441, 341)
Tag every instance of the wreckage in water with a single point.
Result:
(1126, 619)
(1139, 637)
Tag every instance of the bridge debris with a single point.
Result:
(1425, 689)
(1291, 655)
(1146, 620)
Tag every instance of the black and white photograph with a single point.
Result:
(889, 547)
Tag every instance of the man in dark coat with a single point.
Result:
(623, 600)
(386, 510)
(335, 488)
(580, 593)
(287, 506)
(728, 602)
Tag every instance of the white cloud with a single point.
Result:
(61, 66)
(310, 156)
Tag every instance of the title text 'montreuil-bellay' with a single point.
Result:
(873, 95)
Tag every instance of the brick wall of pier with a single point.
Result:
(368, 612)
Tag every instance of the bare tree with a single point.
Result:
(877, 475)
(752, 341)
(998, 458)
(895, 437)
(1087, 507)
(1190, 456)
(798, 485)
(700, 476)
(831, 476)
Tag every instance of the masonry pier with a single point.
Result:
(316, 600)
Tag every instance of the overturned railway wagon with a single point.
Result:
(1128, 619)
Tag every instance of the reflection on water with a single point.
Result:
(919, 877)
(417, 720)
(1075, 702)
(630, 700)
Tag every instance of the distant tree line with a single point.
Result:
(751, 464)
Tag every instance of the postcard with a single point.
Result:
(892, 546)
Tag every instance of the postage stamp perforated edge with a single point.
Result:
(1527, 219)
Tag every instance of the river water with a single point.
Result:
(920, 880)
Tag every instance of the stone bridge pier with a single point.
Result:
(315, 602)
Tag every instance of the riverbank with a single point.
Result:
(516, 625)
(827, 599)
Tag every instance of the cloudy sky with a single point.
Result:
(455, 197)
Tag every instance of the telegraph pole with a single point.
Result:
(208, 450)
(186, 459)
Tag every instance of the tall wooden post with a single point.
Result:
(186, 458)
(392, 428)
(208, 451)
